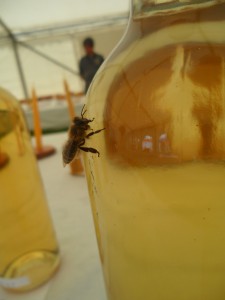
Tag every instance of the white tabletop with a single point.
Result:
(80, 276)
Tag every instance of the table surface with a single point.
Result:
(79, 276)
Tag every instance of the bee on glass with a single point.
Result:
(77, 136)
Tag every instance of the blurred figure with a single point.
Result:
(89, 63)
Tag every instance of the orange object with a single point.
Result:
(69, 101)
(40, 150)
(36, 120)
(76, 166)
(4, 158)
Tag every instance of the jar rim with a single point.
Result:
(143, 8)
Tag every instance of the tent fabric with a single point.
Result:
(25, 14)
(55, 29)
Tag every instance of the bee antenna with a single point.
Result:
(83, 111)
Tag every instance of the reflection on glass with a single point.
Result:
(176, 99)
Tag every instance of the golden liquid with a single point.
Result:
(158, 189)
(28, 247)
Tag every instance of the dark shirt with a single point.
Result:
(89, 65)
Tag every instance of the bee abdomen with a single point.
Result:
(69, 151)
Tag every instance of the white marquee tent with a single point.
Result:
(45, 38)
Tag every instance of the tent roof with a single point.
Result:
(48, 37)
(26, 14)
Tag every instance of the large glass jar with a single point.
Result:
(29, 252)
(158, 188)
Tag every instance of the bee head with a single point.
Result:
(81, 122)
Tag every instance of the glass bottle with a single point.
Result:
(157, 190)
(29, 252)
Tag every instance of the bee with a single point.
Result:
(77, 136)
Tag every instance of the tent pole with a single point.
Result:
(50, 59)
(20, 69)
(17, 57)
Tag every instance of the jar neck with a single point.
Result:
(145, 8)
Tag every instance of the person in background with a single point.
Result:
(89, 63)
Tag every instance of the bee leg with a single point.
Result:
(88, 149)
(91, 120)
(94, 132)
(82, 143)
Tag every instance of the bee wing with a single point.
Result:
(64, 151)
(69, 151)
(77, 156)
